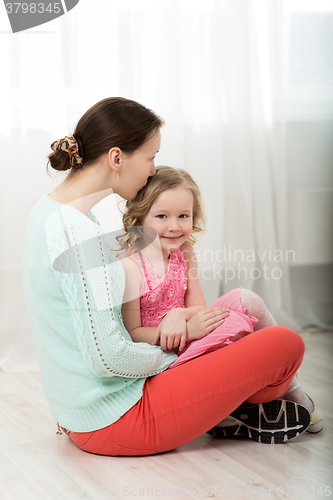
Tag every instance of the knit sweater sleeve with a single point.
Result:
(92, 282)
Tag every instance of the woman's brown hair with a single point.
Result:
(136, 209)
(112, 122)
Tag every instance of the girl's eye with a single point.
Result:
(183, 216)
(161, 216)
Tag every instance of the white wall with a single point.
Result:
(310, 199)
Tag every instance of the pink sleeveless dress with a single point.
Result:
(159, 295)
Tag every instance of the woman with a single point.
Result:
(112, 396)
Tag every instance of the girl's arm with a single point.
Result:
(202, 320)
(137, 332)
(194, 295)
(131, 304)
(170, 333)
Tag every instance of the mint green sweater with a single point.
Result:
(92, 371)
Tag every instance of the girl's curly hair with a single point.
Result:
(136, 209)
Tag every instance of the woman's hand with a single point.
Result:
(171, 332)
(205, 321)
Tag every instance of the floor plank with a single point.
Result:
(14, 484)
(36, 463)
(43, 473)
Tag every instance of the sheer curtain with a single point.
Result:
(218, 72)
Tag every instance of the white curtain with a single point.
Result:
(226, 76)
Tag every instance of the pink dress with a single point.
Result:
(159, 295)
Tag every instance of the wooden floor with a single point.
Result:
(36, 463)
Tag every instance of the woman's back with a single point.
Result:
(92, 372)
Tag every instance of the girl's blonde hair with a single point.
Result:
(164, 179)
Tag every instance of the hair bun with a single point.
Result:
(66, 154)
(59, 160)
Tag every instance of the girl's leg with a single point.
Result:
(255, 306)
(181, 404)
(247, 302)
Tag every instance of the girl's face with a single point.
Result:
(172, 217)
(137, 167)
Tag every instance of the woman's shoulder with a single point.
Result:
(63, 217)
(51, 217)
(69, 233)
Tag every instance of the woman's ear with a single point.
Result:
(115, 158)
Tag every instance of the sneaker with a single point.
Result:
(273, 422)
(317, 420)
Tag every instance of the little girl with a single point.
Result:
(164, 275)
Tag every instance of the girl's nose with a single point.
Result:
(173, 225)
(152, 170)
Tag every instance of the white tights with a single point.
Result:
(255, 306)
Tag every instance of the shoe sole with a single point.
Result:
(270, 423)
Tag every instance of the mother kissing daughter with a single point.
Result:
(110, 394)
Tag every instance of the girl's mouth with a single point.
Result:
(172, 238)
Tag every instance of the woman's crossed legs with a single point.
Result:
(181, 404)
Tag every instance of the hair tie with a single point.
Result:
(71, 147)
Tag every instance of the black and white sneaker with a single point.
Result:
(270, 423)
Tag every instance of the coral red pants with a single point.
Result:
(181, 404)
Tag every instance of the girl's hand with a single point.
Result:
(205, 321)
(172, 332)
